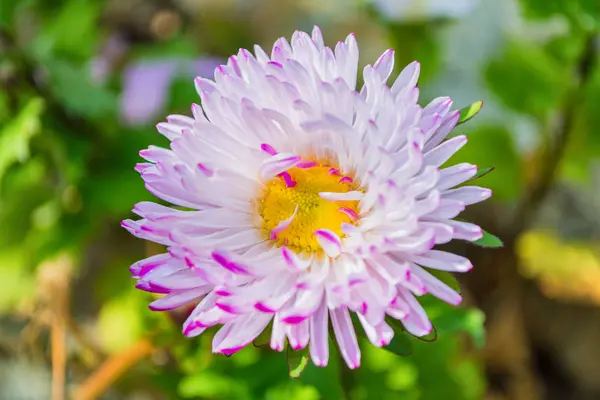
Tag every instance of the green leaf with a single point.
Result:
(72, 87)
(494, 145)
(481, 172)
(469, 112)
(16, 135)
(400, 344)
(523, 65)
(565, 49)
(431, 337)
(58, 36)
(581, 13)
(296, 361)
(489, 240)
(469, 320)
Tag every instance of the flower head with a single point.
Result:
(301, 200)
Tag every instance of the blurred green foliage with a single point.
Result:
(526, 79)
(66, 179)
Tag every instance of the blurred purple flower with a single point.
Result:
(146, 85)
(102, 65)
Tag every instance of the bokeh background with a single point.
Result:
(82, 84)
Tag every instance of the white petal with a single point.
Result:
(277, 164)
(240, 333)
(284, 224)
(443, 261)
(345, 196)
(277, 334)
(293, 260)
(452, 176)
(443, 152)
(407, 78)
(468, 194)
(345, 336)
(178, 298)
(329, 241)
(385, 64)
(436, 287)
(319, 336)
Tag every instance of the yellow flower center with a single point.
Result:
(299, 188)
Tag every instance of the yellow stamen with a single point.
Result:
(280, 200)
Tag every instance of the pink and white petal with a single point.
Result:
(380, 335)
(443, 232)
(414, 284)
(440, 105)
(191, 327)
(346, 196)
(465, 230)
(345, 336)
(416, 322)
(241, 333)
(407, 78)
(148, 287)
(414, 244)
(298, 334)
(142, 267)
(468, 194)
(317, 37)
(212, 317)
(366, 302)
(284, 224)
(452, 176)
(398, 308)
(442, 153)
(223, 333)
(316, 275)
(147, 208)
(319, 336)
(329, 241)
(446, 209)
(277, 164)
(447, 125)
(278, 334)
(226, 260)
(293, 261)
(178, 298)
(274, 295)
(304, 306)
(164, 270)
(436, 287)
(442, 261)
(180, 280)
(385, 64)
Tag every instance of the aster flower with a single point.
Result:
(301, 201)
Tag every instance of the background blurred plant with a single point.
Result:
(83, 82)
